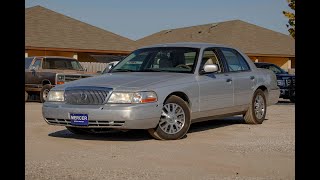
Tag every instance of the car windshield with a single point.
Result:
(159, 59)
(27, 62)
(59, 63)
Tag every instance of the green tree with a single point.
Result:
(291, 16)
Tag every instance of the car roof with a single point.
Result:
(187, 44)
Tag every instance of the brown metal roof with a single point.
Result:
(46, 28)
(249, 38)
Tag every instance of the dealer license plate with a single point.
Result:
(79, 119)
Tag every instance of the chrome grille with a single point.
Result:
(74, 77)
(86, 95)
(92, 123)
(288, 82)
(293, 81)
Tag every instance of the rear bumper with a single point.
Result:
(139, 116)
(273, 96)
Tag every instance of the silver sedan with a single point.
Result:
(164, 88)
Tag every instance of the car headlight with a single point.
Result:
(133, 97)
(56, 95)
(60, 79)
(280, 82)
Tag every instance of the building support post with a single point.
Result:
(75, 55)
(289, 64)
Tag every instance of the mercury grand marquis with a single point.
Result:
(164, 89)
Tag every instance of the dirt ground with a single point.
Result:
(218, 149)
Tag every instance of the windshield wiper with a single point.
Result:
(123, 70)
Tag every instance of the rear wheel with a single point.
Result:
(44, 92)
(174, 121)
(257, 109)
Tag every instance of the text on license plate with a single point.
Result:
(79, 119)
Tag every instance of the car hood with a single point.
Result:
(129, 80)
(280, 76)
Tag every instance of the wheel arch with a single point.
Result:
(46, 81)
(264, 89)
(180, 94)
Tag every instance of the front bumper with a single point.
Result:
(287, 93)
(120, 116)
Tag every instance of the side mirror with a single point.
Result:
(33, 68)
(110, 66)
(209, 68)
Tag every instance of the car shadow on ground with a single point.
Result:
(141, 135)
(112, 135)
(216, 123)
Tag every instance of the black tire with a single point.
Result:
(78, 131)
(293, 99)
(250, 116)
(26, 95)
(160, 134)
(44, 92)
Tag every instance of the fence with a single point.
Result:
(94, 66)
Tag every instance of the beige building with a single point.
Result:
(48, 33)
(260, 44)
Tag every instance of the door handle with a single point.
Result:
(252, 77)
(229, 80)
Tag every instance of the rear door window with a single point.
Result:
(234, 60)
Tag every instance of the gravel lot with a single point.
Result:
(219, 149)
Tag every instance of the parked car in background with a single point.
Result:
(44, 72)
(164, 88)
(285, 81)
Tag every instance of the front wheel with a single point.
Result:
(174, 121)
(44, 92)
(257, 110)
